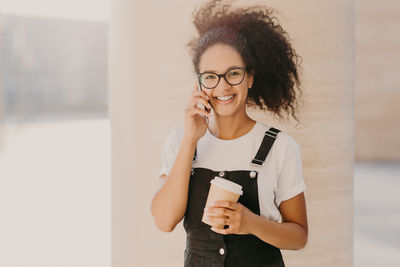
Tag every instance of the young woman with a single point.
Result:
(242, 57)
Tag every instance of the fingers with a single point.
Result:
(201, 100)
(217, 216)
(216, 221)
(198, 104)
(199, 97)
(225, 204)
(219, 212)
(197, 110)
(201, 94)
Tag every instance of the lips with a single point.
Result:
(227, 100)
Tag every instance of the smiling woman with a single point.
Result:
(228, 95)
(242, 58)
(264, 49)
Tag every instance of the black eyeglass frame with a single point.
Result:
(245, 69)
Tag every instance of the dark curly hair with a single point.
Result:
(264, 46)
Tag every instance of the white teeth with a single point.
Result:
(224, 97)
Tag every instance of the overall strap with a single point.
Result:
(267, 142)
(195, 155)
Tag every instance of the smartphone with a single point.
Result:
(199, 104)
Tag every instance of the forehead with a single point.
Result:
(219, 58)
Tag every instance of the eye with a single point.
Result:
(209, 76)
(233, 73)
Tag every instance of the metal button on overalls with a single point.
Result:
(206, 248)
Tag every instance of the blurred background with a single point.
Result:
(55, 137)
(54, 134)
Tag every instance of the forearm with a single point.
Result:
(286, 235)
(169, 203)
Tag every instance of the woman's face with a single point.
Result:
(220, 58)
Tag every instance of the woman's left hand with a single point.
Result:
(233, 214)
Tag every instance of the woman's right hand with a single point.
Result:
(195, 122)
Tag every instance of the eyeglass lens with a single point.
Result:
(232, 77)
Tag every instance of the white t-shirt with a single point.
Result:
(280, 177)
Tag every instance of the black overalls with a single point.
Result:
(206, 248)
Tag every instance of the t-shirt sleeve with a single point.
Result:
(169, 153)
(290, 181)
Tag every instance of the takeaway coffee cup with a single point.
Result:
(223, 189)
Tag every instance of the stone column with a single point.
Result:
(377, 81)
(323, 34)
(150, 79)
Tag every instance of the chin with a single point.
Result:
(225, 113)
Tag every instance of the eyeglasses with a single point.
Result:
(233, 76)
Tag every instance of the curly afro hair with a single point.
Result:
(264, 46)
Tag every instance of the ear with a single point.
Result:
(251, 78)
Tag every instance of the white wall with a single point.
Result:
(55, 195)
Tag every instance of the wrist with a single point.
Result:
(190, 139)
(252, 223)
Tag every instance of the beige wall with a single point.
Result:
(323, 35)
(150, 80)
(2, 101)
(150, 76)
(377, 80)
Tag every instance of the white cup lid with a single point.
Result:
(227, 185)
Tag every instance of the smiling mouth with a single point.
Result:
(225, 99)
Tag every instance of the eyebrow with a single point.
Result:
(229, 68)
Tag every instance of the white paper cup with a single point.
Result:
(223, 189)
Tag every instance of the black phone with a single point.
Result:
(199, 104)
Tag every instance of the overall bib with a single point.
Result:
(206, 248)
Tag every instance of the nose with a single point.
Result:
(223, 84)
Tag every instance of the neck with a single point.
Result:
(231, 127)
